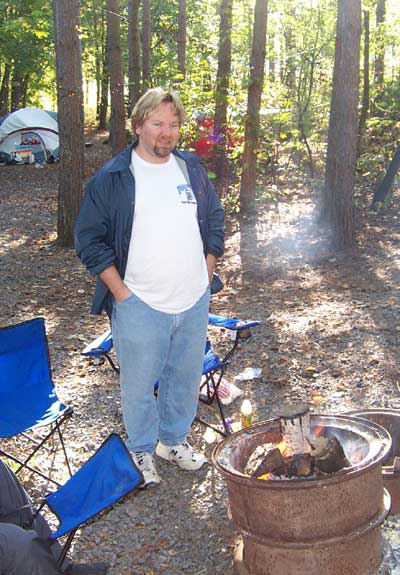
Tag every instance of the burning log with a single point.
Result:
(265, 462)
(300, 465)
(295, 427)
(299, 454)
(328, 454)
(274, 463)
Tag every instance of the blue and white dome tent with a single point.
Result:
(29, 135)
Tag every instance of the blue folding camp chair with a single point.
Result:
(213, 366)
(28, 399)
(106, 477)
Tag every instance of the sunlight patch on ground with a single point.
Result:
(337, 313)
(384, 273)
(9, 243)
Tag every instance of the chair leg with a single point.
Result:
(39, 445)
(230, 353)
(63, 448)
(212, 393)
(221, 411)
(66, 547)
(210, 425)
(110, 361)
(45, 439)
(23, 465)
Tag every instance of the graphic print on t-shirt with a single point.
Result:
(186, 194)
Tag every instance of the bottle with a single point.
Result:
(246, 413)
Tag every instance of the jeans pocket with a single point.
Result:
(124, 301)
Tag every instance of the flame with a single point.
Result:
(284, 448)
(317, 431)
(265, 476)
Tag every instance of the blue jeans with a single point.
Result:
(153, 346)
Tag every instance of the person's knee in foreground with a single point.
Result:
(151, 227)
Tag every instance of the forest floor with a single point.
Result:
(329, 338)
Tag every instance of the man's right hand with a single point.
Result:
(123, 294)
(113, 281)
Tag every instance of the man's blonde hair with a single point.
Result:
(151, 100)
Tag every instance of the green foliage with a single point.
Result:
(26, 31)
(369, 164)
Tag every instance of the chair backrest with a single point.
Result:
(106, 477)
(211, 361)
(26, 388)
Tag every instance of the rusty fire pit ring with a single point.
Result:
(347, 537)
(326, 524)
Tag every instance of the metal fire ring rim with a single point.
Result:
(370, 410)
(374, 523)
(306, 483)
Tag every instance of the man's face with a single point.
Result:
(159, 134)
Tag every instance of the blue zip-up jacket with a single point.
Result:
(104, 225)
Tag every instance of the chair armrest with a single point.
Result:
(99, 346)
(232, 323)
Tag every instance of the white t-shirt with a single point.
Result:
(166, 264)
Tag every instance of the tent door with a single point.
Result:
(31, 148)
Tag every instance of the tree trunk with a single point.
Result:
(272, 69)
(379, 68)
(103, 105)
(134, 52)
(252, 120)
(222, 90)
(98, 34)
(24, 96)
(104, 79)
(305, 88)
(182, 39)
(5, 89)
(70, 115)
(365, 95)
(146, 34)
(117, 120)
(338, 196)
(16, 89)
(384, 189)
(289, 69)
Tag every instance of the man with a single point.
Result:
(151, 227)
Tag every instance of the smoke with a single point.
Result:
(285, 237)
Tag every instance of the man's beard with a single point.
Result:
(163, 150)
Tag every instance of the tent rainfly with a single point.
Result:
(29, 135)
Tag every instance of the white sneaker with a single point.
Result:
(183, 455)
(145, 464)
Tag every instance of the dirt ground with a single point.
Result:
(328, 338)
